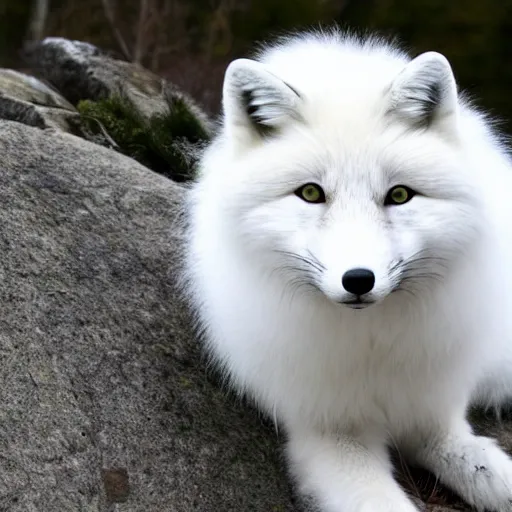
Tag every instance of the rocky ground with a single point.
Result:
(105, 403)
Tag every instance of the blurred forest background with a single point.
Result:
(191, 41)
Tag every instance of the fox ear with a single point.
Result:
(256, 102)
(425, 92)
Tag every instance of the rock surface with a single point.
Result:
(26, 99)
(105, 403)
(82, 71)
(124, 106)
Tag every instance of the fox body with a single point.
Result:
(350, 262)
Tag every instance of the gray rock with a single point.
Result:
(82, 71)
(105, 404)
(26, 99)
(144, 117)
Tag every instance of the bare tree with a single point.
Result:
(219, 30)
(111, 17)
(38, 18)
(142, 32)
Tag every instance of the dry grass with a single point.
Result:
(424, 487)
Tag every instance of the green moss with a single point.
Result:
(167, 143)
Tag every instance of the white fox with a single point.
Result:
(350, 261)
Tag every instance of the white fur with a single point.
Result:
(355, 118)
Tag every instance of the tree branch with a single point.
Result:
(38, 19)
(140, 46)
(109, 13)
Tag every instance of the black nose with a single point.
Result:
(358, 281)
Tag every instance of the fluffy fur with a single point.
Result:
(348, 376)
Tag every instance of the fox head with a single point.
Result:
(343, 167)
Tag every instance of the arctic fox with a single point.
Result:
(350, 261)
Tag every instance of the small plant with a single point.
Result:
(168, 143)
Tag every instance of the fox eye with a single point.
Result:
(311, 193)
(399, 195)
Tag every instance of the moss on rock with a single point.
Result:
(168, 143)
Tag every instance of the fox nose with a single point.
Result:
(358, 281)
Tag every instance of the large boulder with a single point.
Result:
(82, 71)
(103, 395)
(124, 106)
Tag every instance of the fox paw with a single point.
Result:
(481, 473)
